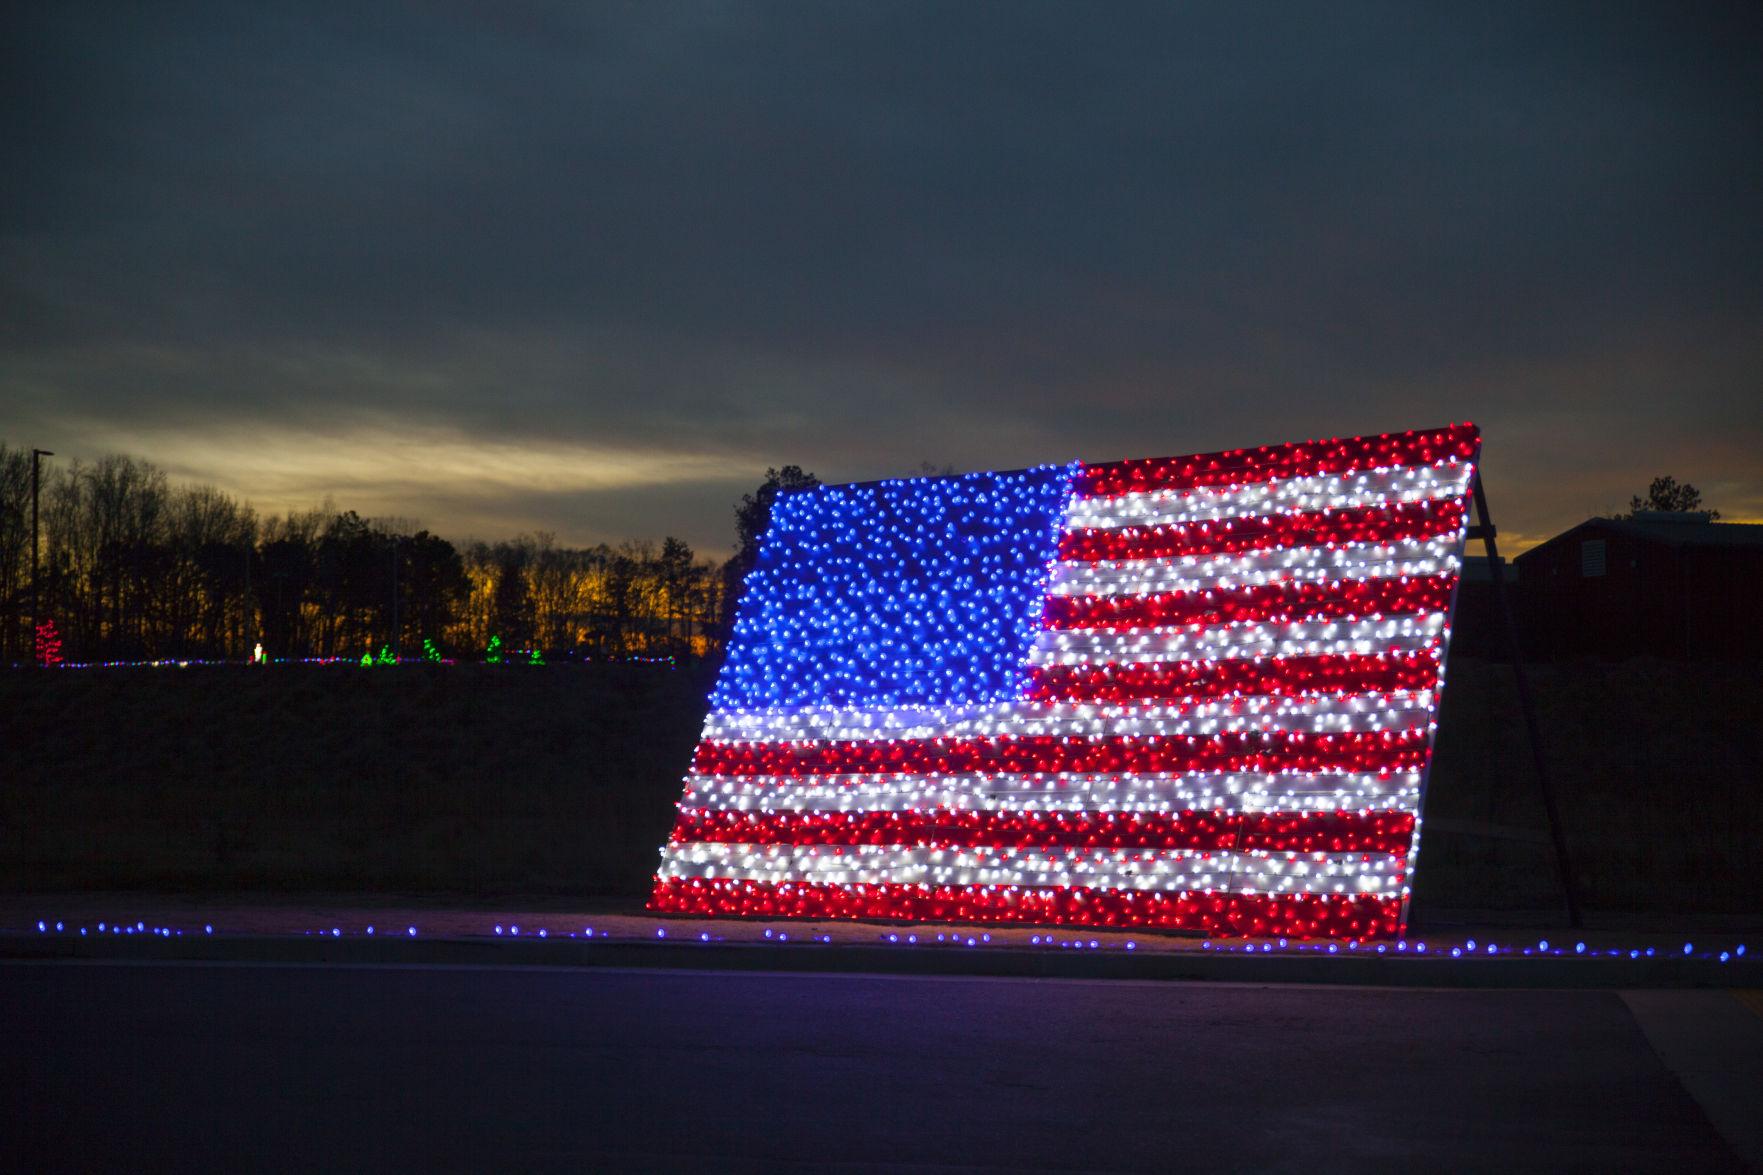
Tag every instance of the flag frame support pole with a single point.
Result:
(1485, 530)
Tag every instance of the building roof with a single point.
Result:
(1693, 530)
(1688, 534)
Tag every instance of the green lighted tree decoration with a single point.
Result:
(537, 658)
(386, 657)
(367, 659)
(429, 652)
(493, 651)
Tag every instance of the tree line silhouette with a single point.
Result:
(132, 567)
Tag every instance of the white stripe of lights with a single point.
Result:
(1206, 573)
(1372, 487)
(1323, 714)
(1303, 638)
(1378, 874)
(1227, 792)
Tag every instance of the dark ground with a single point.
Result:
(514, 780)
(127, 1066)
(468, 778)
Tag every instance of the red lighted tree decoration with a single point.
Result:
(48, 645)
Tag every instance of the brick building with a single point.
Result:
(1678, 586)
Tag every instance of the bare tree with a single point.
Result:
(15, 550)
(1668, 495)
(752, 519)
(134, 567)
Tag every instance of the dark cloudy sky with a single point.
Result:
(591, 268)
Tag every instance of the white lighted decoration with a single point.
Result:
(1193, 692)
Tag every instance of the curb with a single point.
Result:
(1225, 965)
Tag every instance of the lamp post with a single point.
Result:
(37, 456)
(394, 597)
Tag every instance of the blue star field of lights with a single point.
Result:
(925, 591)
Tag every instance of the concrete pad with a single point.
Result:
(266, 1067)
(1712, 1041)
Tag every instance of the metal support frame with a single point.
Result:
(1485, 531)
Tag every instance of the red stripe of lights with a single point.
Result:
(1259, 532)
(1458, 442)
(1274, 602)
(1346, 673)
(1295, 832)
(1233, 751)
(1254, 915)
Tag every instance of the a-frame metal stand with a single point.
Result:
(1485, 531)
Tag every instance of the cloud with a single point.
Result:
(474, 487)
(710, 238)
(285, 466)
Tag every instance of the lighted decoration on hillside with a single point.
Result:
(1191, 692)
(48, 645)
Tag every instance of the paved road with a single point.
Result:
(243, 1067)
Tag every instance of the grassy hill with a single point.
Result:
(1658, 768)
(561, 780)
(466, 778)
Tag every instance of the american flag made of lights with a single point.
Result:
(1196, 693)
